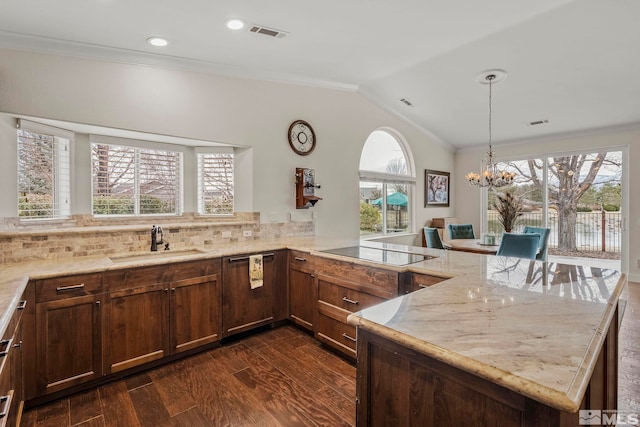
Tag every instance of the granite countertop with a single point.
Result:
(15, 276)
(535, 328)
(532, 327)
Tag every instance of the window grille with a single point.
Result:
(135, 181)
(43, 176)
(215, 184)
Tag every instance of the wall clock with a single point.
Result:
(302, 138)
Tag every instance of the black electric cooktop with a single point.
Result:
(383, 256)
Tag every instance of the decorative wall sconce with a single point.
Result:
(306, 188)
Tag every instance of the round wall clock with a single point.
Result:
(302, 138)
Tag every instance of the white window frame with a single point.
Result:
(199, 151)
(385, 178)
(63, 140)
(139, 145)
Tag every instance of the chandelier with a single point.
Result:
(490, 176)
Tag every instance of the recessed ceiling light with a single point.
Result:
(235, 24)
(157, 41)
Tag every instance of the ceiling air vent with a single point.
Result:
(271, 32)
(537, 122)
(406, 102)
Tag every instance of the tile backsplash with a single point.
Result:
(85, 235)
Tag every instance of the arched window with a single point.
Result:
(387, 181)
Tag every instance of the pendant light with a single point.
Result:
(490, 176)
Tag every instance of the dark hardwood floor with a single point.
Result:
(281, 377)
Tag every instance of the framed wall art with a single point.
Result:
(436, 188)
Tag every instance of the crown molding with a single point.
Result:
(51, 46)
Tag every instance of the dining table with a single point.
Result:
(471, 245)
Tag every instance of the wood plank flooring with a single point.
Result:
(281, 377)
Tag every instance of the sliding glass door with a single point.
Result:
(578, 196)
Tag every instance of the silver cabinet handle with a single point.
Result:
(18, 345)
(22, 305)
(422, 286)
(6, 404)
(243, 258)
(6, 345)
(350, 301)
(299, 258)
(349, 337)
(69, 288)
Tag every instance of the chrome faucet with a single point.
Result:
(156, 237)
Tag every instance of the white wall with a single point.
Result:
(467, 199)
(249, 113)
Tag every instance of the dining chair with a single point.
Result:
(461, 231)
(544, 240)
(432, 238)
(519, 245)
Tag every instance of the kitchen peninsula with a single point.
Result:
(518, 342)
(494, 331)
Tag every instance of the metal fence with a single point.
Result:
(595, 231)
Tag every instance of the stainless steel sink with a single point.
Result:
(156, 255)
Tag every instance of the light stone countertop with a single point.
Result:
(532, 327)
(535, 328)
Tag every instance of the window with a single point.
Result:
(135, 181)
(386, 185)
(215, 183)
(43, 173)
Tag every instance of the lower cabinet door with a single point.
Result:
(302, 297)
(246, 308)
(69, 342)
(332, 329)
(137, 327)
(195, 312)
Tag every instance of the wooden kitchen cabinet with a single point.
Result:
(160, 310)
(195, 312)
(68, 342)
(68, 326)
(303, 292)
(245, 308)
(344, 288)
(11, 371)
(414, 282)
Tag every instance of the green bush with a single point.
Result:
(611, 208)
(35, 206)
(583, 209)
(370, 217)
(113, 205)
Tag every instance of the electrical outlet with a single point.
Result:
(226, 234)
(639, 263)
(246, 233)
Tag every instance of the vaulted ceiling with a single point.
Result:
(575, 63)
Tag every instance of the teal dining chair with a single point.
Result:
(519, 245)
(544, 240)
(432, 238)
(461, 231)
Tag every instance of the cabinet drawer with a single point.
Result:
(68, 286)
(301, 261)
(345, 298)
(421, 281)
(337, 334)
(376, 281)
